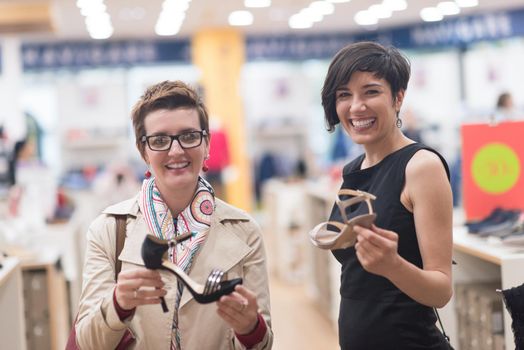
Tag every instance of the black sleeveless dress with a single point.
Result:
(374, 313)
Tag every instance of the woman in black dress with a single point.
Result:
(399, 269)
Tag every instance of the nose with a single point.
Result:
(175, 148)
(357, 104)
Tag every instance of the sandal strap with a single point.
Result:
(355, 193)
(358, 196)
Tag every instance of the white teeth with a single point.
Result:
(177, 165)
(361, 123)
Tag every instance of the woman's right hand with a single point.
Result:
(139, 286)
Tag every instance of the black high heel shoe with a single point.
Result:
(153, 253)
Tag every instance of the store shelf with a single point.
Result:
(483, 248)
(483, 260)
(45, 299)
(12, 321)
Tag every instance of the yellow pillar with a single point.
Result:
(220, 55)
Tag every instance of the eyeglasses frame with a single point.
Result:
(145, 139)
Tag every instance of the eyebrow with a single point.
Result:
(344, 88)
(164, 133)
(373, 85)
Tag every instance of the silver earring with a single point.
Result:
(399, 122)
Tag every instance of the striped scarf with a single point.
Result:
(195, 218)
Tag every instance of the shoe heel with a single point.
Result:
(153, 254)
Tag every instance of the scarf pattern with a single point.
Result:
(194, 219)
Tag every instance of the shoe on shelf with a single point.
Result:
(515, 238)
(154, 251)
(496, 220)
(336, 235)
(505, 229)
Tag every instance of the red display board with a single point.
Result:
(492, 167)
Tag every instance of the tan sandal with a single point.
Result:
(344, 236)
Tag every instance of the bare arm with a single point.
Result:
(428, 194)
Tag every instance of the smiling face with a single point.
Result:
(176, 169)
(366, 108)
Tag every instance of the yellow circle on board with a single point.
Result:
(495, 168)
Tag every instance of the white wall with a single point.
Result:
(11, 114)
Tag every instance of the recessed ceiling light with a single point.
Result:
(365, 18)
(298, 21)
(379, 11)
(240, 18)
(257, 3)
(431, 14)
(311, 15)
(338, 1)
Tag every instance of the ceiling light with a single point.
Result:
(379, 11)
(365, 18)
(100, 35)
(395, 5)
(448, 8)
(323, 7)
(257, 3)
(338, 1)
(299, 22)
(310, 15)
(172, 16)
(166, 29)
(467, 3)
(240, 18)
(431, 14)
(99, 26)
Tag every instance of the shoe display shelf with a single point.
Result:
(12, 321)
(480, 260)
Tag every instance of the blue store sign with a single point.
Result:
(453, 32)
(102, 54)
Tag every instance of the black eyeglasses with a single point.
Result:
(186, 140)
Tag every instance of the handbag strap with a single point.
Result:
(121, 223)
(441, 325)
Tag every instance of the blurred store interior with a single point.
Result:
(70, 72)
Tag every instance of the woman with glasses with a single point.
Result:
(208, 240)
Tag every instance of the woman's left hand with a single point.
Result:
(376, 250)
(239, 309)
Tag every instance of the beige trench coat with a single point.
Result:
(234, 244)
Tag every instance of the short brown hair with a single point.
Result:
(166, 95)
(384, 62)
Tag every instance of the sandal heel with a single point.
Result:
(154, 255)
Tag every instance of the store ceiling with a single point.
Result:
(61, 19)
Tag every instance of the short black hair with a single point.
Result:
(386, 63)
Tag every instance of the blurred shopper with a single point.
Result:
(172, 135)
(400, 268)
(505, 110)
